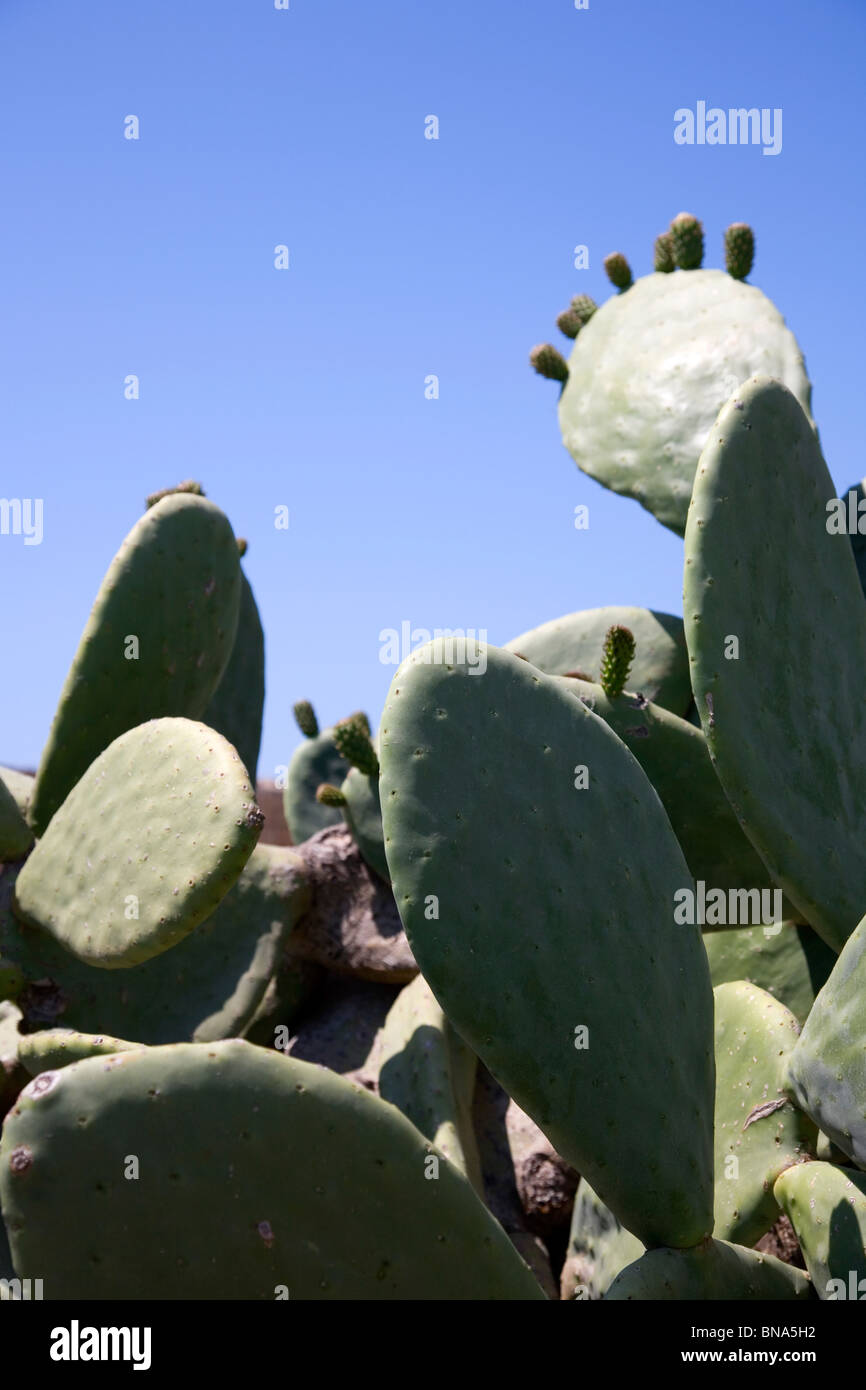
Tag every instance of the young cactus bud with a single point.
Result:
(584, 306)
(687, 236)
(359, 717)
(663, 254)
(569, 323)
(548, 362)
(618, 270)
(189, 486)
(329, 795)
(305, 718)
(352, 740)
(739, 250)
(243, 547)
(616, 658)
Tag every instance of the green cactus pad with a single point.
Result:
(259, 1177)
(826, 1073)
(599, 1248)
(20, 784)
(174, 586)
(16, 837)
(758, 1132)
(425, 1068)
(209, 986)
(660, 670)
(144, 847)
(363, 815)
(673, 754)
(761, 568)
(542, 916)
(714, 1270)
(58, 1047)
(650, 372)
(316, 761)
(792, 964)
(235, 708)
(827, 1208)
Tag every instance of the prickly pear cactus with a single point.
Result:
(361, 1221)
(649, 372)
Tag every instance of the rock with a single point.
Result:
(352, 925)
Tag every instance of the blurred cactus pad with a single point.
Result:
(550, 981)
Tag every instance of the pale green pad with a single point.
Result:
(827, 1208)
(786, 721)
(650, 372)
(208, 986)
(714, 1270)
(826, 1073)
(425, 1068)
(256, 1171)
(175, 585)
(536, 911)
(160, 826)
(753, 1141)
(58, 1047)
(792, 964)
(660, 669)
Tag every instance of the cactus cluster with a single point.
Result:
(583, 914)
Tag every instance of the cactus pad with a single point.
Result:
(542, 916)
(144, 847)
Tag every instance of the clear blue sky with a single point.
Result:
(407, 257)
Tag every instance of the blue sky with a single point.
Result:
(408, 257)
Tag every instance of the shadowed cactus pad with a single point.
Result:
(827, 1208)
(210, 985)
(542, 915)
(144, 847)
(259, 1177)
